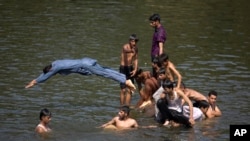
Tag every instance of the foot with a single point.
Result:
(145, 103)
(166, 123)
(130, 85)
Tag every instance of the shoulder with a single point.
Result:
(178, 90)
(171, 64)
(161, 29)
(132, 120)
(116, 118)
(125, 46)
(40, 128)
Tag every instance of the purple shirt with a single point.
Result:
(159, 36)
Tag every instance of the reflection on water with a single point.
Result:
(207, 40)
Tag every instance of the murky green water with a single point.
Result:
(207, 40)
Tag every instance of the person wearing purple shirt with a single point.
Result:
(159, 38)
(84, 66)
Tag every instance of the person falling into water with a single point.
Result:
(128, 66)
(84, 66)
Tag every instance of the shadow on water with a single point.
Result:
(207, 40)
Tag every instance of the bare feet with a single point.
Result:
(166, 123)
(130, 85)
(145, 103)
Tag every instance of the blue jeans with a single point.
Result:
(107, 72)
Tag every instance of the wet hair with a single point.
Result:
(212, 93)
(168, 84)
(162, 70)
(47, 68)
(138, 72)
(133, 37)
(155, 17)
(155, 60)
(203, 104)
(163, 58)
(125, 109)
(45, 112)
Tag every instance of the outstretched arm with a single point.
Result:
(42, 78)
(112, 122)
(32, 83)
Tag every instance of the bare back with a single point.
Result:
(172, 73)
(194, 95)
(151, 85)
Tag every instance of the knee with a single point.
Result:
(161, 102)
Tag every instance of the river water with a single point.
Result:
(208, 41)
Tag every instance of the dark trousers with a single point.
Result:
(169, 114)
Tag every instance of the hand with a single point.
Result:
(191, 120)
(132, 73)
(29, 85)
(32, 83)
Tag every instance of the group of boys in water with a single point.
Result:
(162, 88)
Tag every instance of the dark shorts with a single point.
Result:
(126, 70)
(168, 114)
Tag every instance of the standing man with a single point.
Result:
(159, 37)
(128, 66)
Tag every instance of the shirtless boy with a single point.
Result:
(45, 117)
(122, 120)
(195, 96)
(213, 110)
(171, 72)
(146, 92)
(128, 66)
